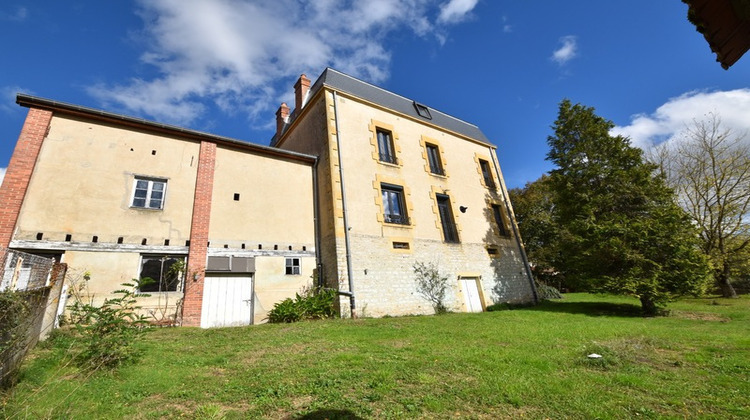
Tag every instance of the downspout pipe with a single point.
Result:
(514, 225)
(316, 215)
(347, 242)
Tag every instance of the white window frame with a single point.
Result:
(150, 182)
(291, 268)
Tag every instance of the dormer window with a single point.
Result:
(422, 110)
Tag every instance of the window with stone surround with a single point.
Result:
(394, 206)
(447, 222)
(489, 181)
(433, 158)
(499, 220)
(386, 151)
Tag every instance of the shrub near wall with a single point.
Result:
(313, 303)
(20, 313)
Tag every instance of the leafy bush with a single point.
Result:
(15, 320)
(14, 311)
(431, 285)
(108, 332)
(313, 303)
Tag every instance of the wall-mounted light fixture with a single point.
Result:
(463, 209)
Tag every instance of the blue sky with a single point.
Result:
(224, 66)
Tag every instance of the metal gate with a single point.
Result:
(227, 300)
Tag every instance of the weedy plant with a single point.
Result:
(107, 333)
(431, 285)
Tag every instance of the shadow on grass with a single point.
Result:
(330, 415)
(589, 308)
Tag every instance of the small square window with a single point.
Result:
(385, 147)
(433, 157)
(292, 266)
(148, 193)
(394, 208)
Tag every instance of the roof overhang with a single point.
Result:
(725, 24)
(171, 130)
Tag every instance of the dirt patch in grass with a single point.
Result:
(700, 316)
(396, 344)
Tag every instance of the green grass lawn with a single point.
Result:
(529, 362)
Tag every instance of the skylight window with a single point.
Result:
(422, 110)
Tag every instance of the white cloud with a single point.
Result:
(507, 28)
(2, 174)
(456, 10)
(669, 121)
(8, 95)
(19, 14)
(243, 56)
(567, 51)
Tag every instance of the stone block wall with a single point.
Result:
(384, 279)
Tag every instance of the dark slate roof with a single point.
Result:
(344, 83)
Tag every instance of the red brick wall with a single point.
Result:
(196, 267)
(19, 171)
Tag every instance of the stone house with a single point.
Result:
(399, 183)
(373, 182)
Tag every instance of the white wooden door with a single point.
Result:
(227, 301)
(471, 294)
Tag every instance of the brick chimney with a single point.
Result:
(300, 92)
(282, 115)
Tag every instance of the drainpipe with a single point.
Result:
(316, 215)
(349, 271)
(514, 225)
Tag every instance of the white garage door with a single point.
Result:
(227, 301)
(471, 294)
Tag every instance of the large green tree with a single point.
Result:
(620, 228)
(534, 208)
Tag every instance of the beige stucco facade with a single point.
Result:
(79, 208)
(83, 183)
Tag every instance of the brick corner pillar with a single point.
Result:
(21, 166)
(196, 266)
